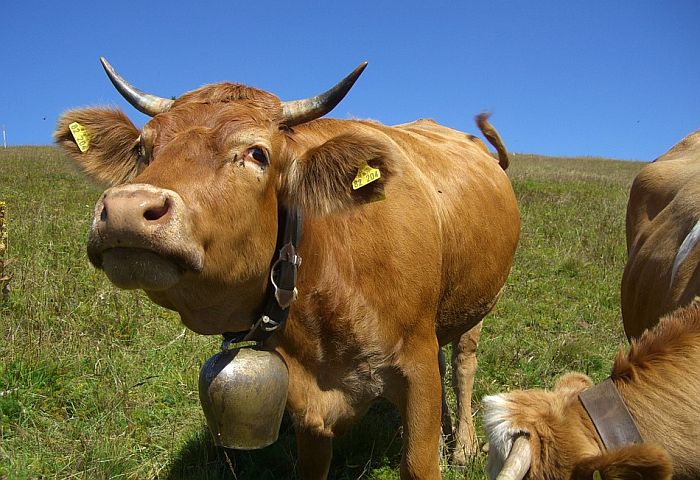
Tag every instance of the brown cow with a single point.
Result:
(192, 219)
(663, 228)
(550, 433)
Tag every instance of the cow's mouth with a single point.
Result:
(140, 268)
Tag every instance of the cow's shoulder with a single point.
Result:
(688, 148)
(670, 178)
(667, 177)
(660, 183)
(663, 178)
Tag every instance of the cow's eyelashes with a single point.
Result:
(258, 155)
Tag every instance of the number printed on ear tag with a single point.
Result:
(365, 175)
(81, 135)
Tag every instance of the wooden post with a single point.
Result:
(4, 247)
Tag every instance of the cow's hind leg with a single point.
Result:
(447, 433)
(464, 363)
(315, 453)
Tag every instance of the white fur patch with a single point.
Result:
(686, 247)
(499, 430)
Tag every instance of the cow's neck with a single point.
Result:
(281, 288)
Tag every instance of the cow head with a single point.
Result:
(191, 213)
(538, 434)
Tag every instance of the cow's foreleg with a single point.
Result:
(463, 372)
(420, 411)
(315, 452)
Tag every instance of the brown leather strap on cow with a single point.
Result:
(610, 416)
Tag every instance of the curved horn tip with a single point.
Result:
(301, 111)
(107, 66)
(146, 103)
(519, 460)
(358, 71)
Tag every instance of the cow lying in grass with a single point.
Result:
(540, 434)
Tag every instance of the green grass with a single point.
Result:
(100, 383)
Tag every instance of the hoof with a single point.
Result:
(462, 455)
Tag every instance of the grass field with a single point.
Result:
(98, 383)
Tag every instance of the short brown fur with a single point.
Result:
(636, 462)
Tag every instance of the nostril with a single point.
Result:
(157, 213)
(103, 213)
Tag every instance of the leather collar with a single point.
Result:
(610, 416)
(281, 288)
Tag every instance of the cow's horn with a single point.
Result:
(518, 462)
(300, 111)
(141, 101)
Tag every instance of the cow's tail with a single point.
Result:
(482, 121)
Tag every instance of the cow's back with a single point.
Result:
(663, 210)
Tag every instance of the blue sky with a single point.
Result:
(610, 78)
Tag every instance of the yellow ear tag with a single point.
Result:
(81, 135)
(596, 475)
(365, 175)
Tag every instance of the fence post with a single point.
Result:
(4, 260)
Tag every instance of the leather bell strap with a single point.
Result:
(610, 416)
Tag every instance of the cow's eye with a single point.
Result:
(143, 155)
(258, 154)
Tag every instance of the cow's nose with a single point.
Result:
(142, 238)
(137, 211)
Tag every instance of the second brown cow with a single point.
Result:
(663, 233)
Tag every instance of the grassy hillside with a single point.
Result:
(100, 383)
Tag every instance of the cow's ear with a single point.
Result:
(573, 382)
(102, 142)
(344, 171)
(644, 460)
